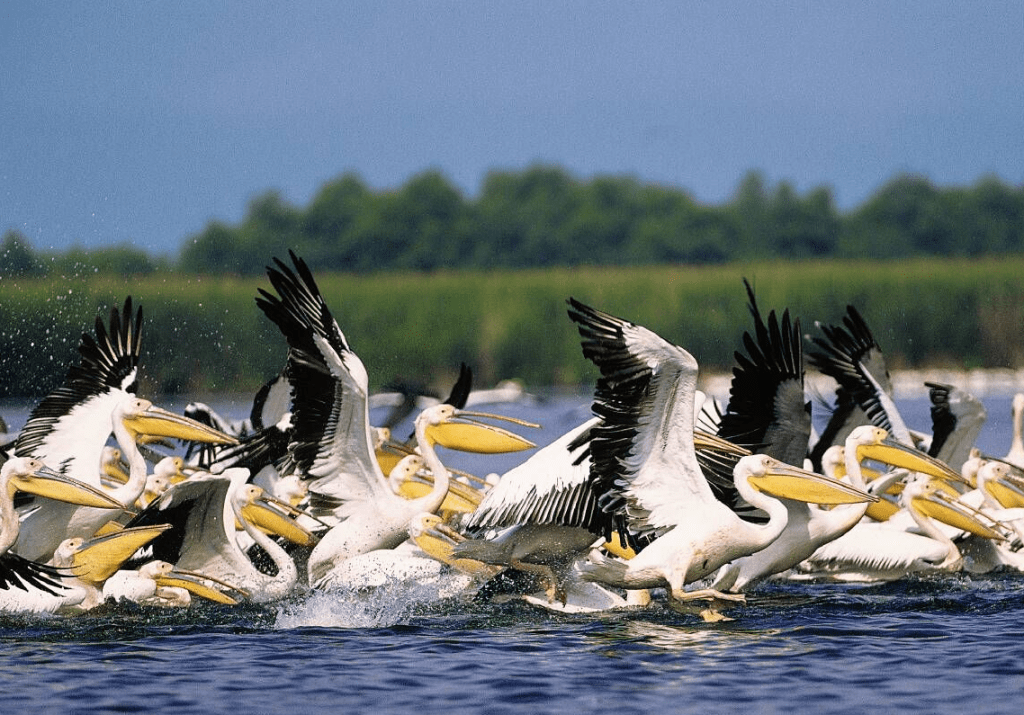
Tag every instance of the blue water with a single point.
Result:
(947, 644)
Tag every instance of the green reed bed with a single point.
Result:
(206, 334)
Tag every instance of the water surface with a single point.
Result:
(948, 644)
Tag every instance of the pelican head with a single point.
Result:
(164, 575)
(33, 477)
(928, 497)
(998, 480)
(272, 515)
(458, 429)
(97, 559)
(870, 442)
(436, 539)
(144, 419)
(773, 477)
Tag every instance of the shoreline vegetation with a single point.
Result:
(205, 335)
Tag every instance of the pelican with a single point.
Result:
(158, 583)
(957, 419)
(767, 408)
(644, 464)
(373, 515)
(131, 417)
(86, 564)
(1016, 454)
(25, 585)
(332, 443)
(811, 527)
(917, 540)
(70, 427)
(204, 511)
(853, 358)
(543, 514)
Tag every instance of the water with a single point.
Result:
(929, 645)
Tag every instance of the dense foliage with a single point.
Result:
(205, 334)
(544, 217)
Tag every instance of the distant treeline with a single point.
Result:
(545, 217)
(205, 334)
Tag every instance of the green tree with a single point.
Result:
(17, 257)
(215, 250)
(123, 260)
(330, 219)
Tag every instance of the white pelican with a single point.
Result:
(69, 429)
(204, 511)
(809, 526)
(332, 441)
(45, 525)
(917, 540)
(86, 564)
(542, 514)
(158, 583)
(372, 515)
(853, 358)
(957, 419)
(645, 465)
(28, 586)
(1016, 454)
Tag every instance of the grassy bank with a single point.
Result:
(206, 334)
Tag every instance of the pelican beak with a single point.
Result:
(617, 546)
(1008, 493)
(460, 498)
(277, 517)
(199, 585)
(437, 540)
(158, 422)
(45, 482)
(116, 471)
(898, 455)
(883, 509)
(465, 434)
(789, 482)
(939, 506)
(389, 454)
(101, 556)
(714, 443)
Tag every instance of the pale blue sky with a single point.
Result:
(143, 121)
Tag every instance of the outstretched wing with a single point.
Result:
(331, 441)
(644, 468)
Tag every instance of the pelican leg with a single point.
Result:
(638, 597)
(681, 602)
(709, 614)
(709, 593)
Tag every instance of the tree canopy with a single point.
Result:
(544, 216)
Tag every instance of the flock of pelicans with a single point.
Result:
(662, 495)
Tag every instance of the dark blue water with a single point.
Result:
(947, 644)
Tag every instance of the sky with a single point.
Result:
(131, 122)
